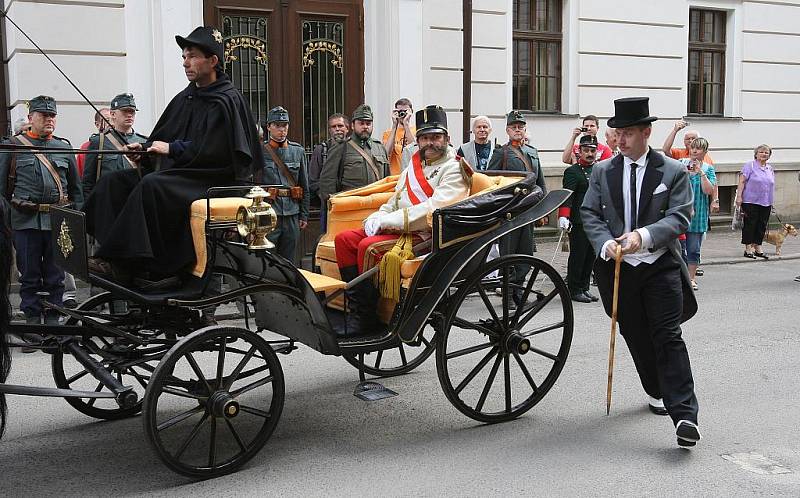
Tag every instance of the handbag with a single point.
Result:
(737, 221)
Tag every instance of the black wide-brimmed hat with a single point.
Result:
(631, 111)
(431, 119)
(205, 37)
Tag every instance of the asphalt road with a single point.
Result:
(745, 350)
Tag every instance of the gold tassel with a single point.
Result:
(389, 273)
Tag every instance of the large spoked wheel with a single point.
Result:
(131, 370)
(398, 360)
(213, 401)
(524, 346)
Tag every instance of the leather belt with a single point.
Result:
(279, 192)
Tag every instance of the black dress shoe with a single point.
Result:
(760, 255)
(749, 255)
(658, 410)
(581, 298)
(688, 433)
(591, 296)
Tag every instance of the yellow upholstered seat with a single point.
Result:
(322, 283)
(222, 209)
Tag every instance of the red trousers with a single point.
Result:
(352, 246)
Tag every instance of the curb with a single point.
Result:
(740, 260)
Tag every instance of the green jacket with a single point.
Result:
(345, 161)
(505, 159)
(576, 178)
(34, 182)
(108, 163)
(294, 156)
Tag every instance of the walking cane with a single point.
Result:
(613, 342)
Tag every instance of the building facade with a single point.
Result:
(730, 67)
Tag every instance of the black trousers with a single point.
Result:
(38, 270)
(581, 259)
(520, 241)
(649, 317)
(756, 218)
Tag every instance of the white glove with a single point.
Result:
(563, 223)
(372, 226)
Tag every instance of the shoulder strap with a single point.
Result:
(47, 164)
(281, 165)
(101, 139)
(118, 146)
(521, 157)
(370, 160)
(11, 181)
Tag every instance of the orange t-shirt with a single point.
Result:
(683, 154)
(396, 155)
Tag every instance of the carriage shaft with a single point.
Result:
(124, 395)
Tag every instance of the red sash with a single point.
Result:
(417, 186)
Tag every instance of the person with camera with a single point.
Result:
(285, 164)
(702, 180)
(589, 126)
(401, 134)
(32, 183)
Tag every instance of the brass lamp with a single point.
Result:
(255, 221)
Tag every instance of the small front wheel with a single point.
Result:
(213, 401)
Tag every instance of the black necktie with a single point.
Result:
(634, 210)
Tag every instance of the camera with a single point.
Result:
(401, 113)
(584, 130)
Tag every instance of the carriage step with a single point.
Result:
(360, 341)
(52, 392)
(372, 391)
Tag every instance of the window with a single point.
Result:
(706, 81)
(246, 59)
(537, 55)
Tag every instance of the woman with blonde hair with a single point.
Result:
(702, 179)
(755, 195)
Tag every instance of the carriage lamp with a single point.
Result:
(255, 221)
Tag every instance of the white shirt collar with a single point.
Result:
(641, 162)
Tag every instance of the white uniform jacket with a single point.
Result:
(450, 184)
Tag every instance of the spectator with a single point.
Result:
(754, 195)
(612, 140)
(101, 117)
(702, 180)
(572, 150)
(356, 162)
(338, 129)
(688, 136)
(401, 134)
(478, 150)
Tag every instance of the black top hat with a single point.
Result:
(432, 119)
(206, 38)
(588, 141)
(631, 111)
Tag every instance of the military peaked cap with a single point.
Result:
(43, 103)
(277, 115)
(588, 141)
(123, 101)
(515, 117)
(363, 112)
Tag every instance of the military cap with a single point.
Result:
(206, 38)
(122, 101)
(277, 115)
(588, 141)
(431, 119)
(363, 112)
(515, 117)
(43, 103)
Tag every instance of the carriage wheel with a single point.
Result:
(524, 347)
(68, 373)
(395, 361)
(213, 401)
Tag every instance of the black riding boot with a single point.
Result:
(361, 303)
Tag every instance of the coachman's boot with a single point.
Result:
(361, 303)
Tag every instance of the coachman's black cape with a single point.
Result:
(213, 142)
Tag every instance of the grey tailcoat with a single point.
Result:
(666, 214)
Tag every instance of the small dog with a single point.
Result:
(776, 237)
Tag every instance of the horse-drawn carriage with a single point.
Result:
(211, 395)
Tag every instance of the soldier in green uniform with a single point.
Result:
(356, 162)
(518, 156)
(581, 255)
(31, 183)
(123, 115)
(285, 164)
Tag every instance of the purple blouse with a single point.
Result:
(759, 184)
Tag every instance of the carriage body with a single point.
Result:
(141, 347)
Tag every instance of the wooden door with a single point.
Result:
(5, 123)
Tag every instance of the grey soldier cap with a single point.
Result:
(43, 103)
(515, 117)
(363, 112)
(277, 115)
(122, 101)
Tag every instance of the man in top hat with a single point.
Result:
(433, 179)
(123, 115)
(31, 183)
(581, 255)
(285, 164)
(205, 137)
(356, 162)
(642, 201)
(516, 155)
